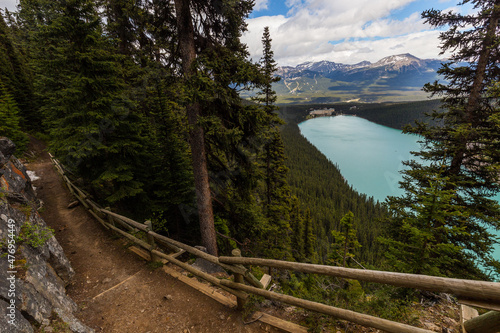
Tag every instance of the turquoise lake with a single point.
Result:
(368, 155)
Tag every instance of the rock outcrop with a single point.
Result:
(34, 270)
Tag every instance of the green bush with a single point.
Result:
(34, 235)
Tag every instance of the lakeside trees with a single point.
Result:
(130, 108)
(447, 213)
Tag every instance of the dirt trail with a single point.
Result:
(115, 290)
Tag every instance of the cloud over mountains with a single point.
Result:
(344, 31)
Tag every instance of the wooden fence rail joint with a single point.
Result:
(238, 278)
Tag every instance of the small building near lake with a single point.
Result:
(321, 113)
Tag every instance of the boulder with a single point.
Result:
(37, 267)
(21, 324)
(7, 149)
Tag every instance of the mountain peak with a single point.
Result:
(319, 66)
(398, 61)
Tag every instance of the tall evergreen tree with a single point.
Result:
(461, 158)
(10, 120)
(17, 78)
(267, 96)
(84, 99)
(121, 15)
(185, 27)
(277, 197)
(345, 240)
(309, 238)
(215, 65)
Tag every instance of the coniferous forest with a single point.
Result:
(141, 102)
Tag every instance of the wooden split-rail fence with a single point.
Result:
(480, 294)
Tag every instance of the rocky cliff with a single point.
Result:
(34, 270)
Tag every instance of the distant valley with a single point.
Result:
(394, 78)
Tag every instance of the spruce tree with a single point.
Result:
(223, 129)
(310, 238)
(345, 241)
(10, 120)
(84, 99)
(16, 76)
(267, 96)
(277, 197)
(448, 210)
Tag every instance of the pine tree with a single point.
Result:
(10, 120)
(15, 75)
(422, 241)
(310, 238)
(460, 158)
(84, 100)
(267, 96)
(120, 16)
(277, 203)
(223, 130)
(345, 240)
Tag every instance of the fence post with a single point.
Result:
(238, 278)
(151, 240)
(486, 323)
(110, 218)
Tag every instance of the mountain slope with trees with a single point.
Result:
(446, 221)
(393, 78)
(156, 130)
(142, 101)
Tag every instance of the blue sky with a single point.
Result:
(345, 31)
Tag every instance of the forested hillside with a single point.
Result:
(320, 186)
(322, 189)
(114, 100)
(395, 115)
(142, 103)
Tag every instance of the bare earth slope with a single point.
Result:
(114, 289)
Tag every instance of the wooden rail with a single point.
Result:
(485, 294)
(359, 318)
(470, 289)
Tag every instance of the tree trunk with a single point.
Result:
(477, 86)
(185, 32)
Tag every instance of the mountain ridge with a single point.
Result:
(393, 61)
(397, 77)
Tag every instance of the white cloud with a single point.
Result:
(342, 31)
(11, 5)
(261, 4)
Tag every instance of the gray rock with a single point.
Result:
(18, 184)
(3, 161)
(19, 325)
(39, 274)
(7, 149)
(207, 266)
(59, 262)
(74, 324)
